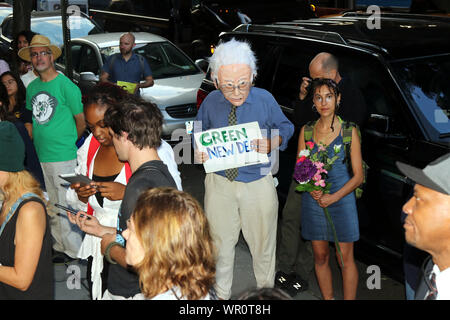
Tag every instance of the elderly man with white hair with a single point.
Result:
(245, 197)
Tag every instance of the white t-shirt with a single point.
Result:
(28, 77)
(4, 66)
(442, 283)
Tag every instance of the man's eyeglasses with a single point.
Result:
(229, 87)
(42, 54)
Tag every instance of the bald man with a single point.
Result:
(295, 260)
(127, 66)
(352, 107)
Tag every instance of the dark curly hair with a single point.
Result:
(104, 93)
(27, 34)
(142, 121)
(332, 85)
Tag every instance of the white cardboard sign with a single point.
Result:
(230, 147)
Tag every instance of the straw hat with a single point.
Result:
(39, 41)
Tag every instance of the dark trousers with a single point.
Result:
(104, 275)
(294, 253)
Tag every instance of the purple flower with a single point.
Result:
(304, 171)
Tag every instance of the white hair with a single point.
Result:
(232, 52)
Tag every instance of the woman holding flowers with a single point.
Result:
(324, 170)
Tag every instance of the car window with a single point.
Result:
(426, 83)
(76, 57)
(377, 88)
(51, 27)
(108, 51)
(7, 28)
(293, 65)
(89, 62)
(266, 51)
(166, 60)
(4, 12)
(371, 80)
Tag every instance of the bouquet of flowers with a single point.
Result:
(311, 172)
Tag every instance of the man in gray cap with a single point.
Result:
(427, 225)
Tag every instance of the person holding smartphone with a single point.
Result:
(102, 198)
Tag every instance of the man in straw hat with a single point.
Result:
(58, 121)
(427, 225)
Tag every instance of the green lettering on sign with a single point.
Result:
(241, 133)
(216, 137)
(202, 139)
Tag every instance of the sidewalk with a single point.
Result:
(70, 281)
(73, 286)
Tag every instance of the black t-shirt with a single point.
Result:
(352, 107)
(152, 174)
(23, 114)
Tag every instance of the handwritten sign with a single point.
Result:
(230, 147)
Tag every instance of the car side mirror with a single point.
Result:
(202, 64)
(88, 76)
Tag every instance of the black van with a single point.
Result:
(403, 71)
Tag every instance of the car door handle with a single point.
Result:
(396, 140)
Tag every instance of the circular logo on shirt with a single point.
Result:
(43, 105)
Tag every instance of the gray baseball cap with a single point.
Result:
(435, 175)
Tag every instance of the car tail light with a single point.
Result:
(201, 95)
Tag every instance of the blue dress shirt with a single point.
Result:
(259, 106)
(129, 71)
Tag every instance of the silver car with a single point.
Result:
(176, 77)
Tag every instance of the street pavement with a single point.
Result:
(71, 284)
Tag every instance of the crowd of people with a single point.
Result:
(145, 238)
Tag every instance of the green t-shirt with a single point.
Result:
(54, 105)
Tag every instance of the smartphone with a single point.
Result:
(76, 178)
(72, 211)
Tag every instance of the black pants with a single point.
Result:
(104, 275)
(294, 253)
